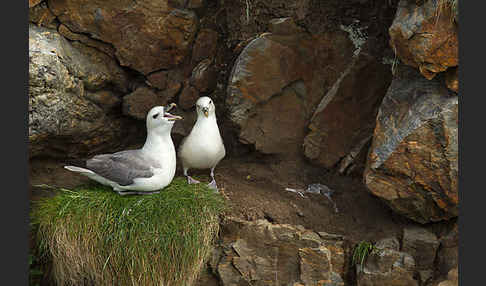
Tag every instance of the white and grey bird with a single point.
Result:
(203, 148)
(141, 171)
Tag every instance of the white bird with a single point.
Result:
(203, 148)
(141, 171)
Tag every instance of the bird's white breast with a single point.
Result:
(203, 147)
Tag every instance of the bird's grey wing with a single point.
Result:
(121, 167)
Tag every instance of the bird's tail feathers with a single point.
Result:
(78, 170)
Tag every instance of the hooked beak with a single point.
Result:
(171, 117)
(205, 111)
(172, 105)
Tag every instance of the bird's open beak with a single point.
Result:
(172, 105)
(171, 117)
(205, 111)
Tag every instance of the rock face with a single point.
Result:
(452, 278)
(452, 79)
(422, 245)
(277, 81)
(448, 254)
(345, 118)
(425, 36)
(138, 103)
(261, 253)
(69, 94)
(412, 163)
(386, 265)
(148, 35)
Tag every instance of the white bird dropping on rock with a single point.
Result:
(203, 148)
(141, 171)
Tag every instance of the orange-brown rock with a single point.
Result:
(138, 103)
(148, 35)
(68, 34)
(260, 251)
(345, 118)
(412, 164)
(41, 15)
(425, 36)
(204, 77)
(205, 45)
(33, 3)
(188, 96)
(158, 79)
(277, 81)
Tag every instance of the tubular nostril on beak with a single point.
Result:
(205, 111)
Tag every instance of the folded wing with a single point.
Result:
(122, 167)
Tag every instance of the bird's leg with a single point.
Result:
(147, 193)
(212, 184)
(190, 180)
(124, 193)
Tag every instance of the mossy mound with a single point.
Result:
(92, 235)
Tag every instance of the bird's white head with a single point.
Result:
(205, 107)
(159, 119)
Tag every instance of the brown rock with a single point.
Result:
(452, 278)
(204, 77)
(172, 89)
(345, 118)
(41, 15)
(276, 83)
(112, 72)
(423, 39)
(412, 164)
(158, 79)
(106, 48)
(262, 253)
(104, 98)
(452, 79)
(448, 254)
(138, 103)
(147, 35)
(194, 4)
(33, 3)
(387, 266)
(64, 120)
(284, 26)
(205, 45)
(188, 96)
(422, 245)
(314, 265)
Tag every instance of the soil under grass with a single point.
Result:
(95, 236)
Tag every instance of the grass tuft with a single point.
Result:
(451, 5)
(361, 252)
(92, 235)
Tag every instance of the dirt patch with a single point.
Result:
(255, 189)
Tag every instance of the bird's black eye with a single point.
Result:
(155, 115)
(210, 102)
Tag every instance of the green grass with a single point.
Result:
(361, 252)
(95, 236)
(34, 272)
